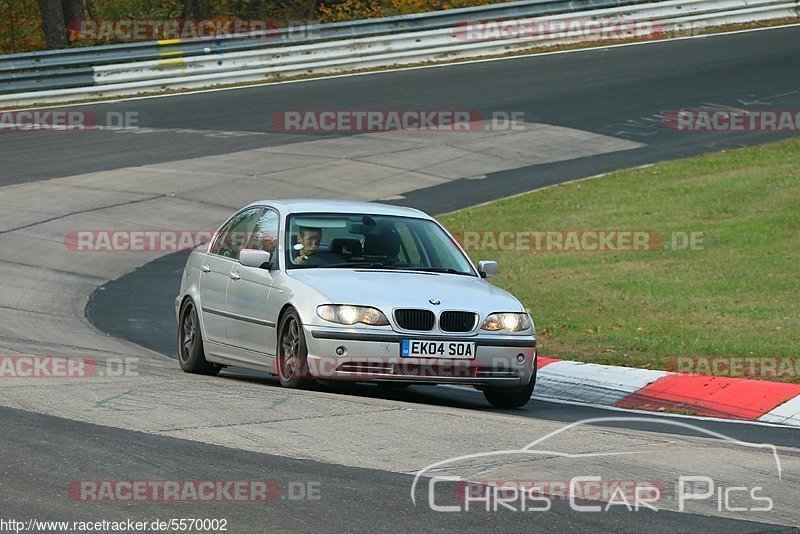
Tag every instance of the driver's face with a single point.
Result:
(310, 242)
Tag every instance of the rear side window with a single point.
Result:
(232, 237)
(265, 234)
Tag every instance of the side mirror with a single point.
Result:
(487, 268)
(255, 258)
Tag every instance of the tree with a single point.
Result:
(53, 24)
(196, 9)
(55, 16)
(73, 10)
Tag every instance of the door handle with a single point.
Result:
(234, 275)
(205, 268)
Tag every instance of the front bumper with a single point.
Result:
(375, 357)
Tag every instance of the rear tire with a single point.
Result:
(191, 355)
(292, 352)
(510, 397)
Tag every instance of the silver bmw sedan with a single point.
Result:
(351, 291)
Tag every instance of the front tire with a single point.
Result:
(292, 352)
(510, 397)
(191, 355)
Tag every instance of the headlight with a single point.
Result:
(511, 322)
(344, 314)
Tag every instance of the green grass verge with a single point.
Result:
(737, 297)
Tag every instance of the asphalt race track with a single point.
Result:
(362, 499)
(618, 91)
(197, 157)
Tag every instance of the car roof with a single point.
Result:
(317, 205)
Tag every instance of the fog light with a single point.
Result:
(520, 358)
(340, 351)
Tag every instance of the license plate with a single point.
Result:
(419, 348)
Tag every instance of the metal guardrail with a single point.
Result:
(65, 75)
(107, 54)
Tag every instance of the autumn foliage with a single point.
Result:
(333, 11)
(20, 26)
(21, 20)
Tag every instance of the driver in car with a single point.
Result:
(309, 238)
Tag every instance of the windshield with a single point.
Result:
(371, 241)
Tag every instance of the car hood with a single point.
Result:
(397, 289)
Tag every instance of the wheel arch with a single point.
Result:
(286, 307)
(190, 298)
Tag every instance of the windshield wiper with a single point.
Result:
(370, 265)
(378, 265)
(447, 270)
